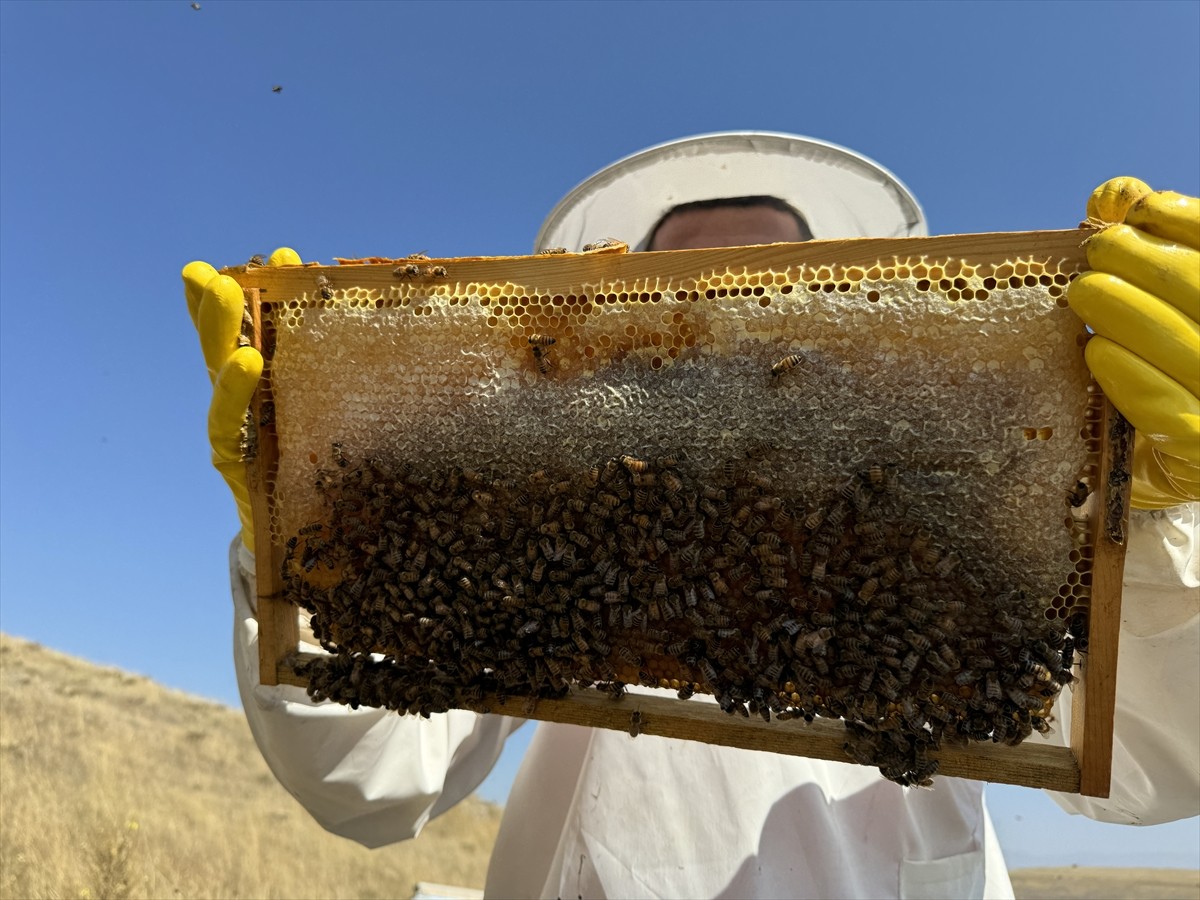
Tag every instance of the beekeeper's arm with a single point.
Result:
(370, 775)
(1142, 300)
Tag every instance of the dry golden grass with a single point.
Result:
(1072, 883)
(112, 786)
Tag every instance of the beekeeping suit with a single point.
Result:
(597, 813)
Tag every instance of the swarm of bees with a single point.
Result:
(467, 585)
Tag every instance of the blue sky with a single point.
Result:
(135, 137)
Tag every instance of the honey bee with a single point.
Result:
(435, 272)
(552, 251)
(256, 261)
(635, 723)
(946, 565)
(324, 287)
(420, 254)
(410, 270)
(633, 464)
(1078, 495)
(786, 364)
(275, 88)
(541, 340)
(603, 244)
(542, 358)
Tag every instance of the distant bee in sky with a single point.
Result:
(277, 89)
(195, 6)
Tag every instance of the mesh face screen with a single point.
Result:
(847, 490)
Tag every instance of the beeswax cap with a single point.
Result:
(841, 194)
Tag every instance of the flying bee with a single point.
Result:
(786, 364)
(324, 287)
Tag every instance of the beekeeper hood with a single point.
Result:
(840, 193)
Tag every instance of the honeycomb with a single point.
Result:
(859, 491)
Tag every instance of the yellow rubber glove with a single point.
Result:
(1142, 300)
(216, 305)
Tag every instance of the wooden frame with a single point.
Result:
(1082, 767)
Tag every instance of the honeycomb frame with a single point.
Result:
(961, 271)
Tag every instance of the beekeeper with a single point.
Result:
(593, 813)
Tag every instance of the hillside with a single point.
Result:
(113, 786)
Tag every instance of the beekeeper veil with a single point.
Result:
(840, 193)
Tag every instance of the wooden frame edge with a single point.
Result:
(278, 626)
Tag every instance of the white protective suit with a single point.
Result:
(596, 813)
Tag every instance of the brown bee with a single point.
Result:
(1078, 495)
(603, 244)
(542, 357)
(633, 464)
(256, 261)
(786, 364)
(434, 272)
(552, 251)
(410, 270)
(420, 254)
(541, 340)
(324, 287)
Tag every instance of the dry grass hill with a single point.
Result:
(112, 786)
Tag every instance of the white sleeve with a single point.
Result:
(370, 775)
(1156, 732)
